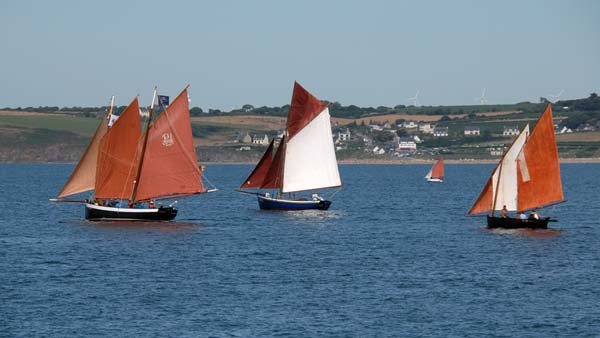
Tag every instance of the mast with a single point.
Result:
(139, 168)
(497, 185)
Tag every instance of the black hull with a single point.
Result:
(96, 213)
(270, 203)
(515, 223)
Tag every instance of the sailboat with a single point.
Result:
(129, 170)
(304, 160)
(436, 173)
(527, 177)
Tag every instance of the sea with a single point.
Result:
(395, 256)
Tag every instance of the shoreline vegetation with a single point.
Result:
(362, 135)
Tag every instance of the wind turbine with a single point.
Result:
(556, 96)
(414, 99)
(482, 99)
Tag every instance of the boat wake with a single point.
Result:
(527, 232)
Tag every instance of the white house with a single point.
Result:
(472, 131)
(426, 128)
(378, 151)
(343, 136)
(495, 151)
(564, 129)
(440, 131)
(409, 124)
(260, 139)
(511, 131)
(407, 144)
(376, 127)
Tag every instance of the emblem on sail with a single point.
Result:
(167, 139)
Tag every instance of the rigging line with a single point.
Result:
(334, 193)
(202, 175)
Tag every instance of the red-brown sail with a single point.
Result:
(438, 169)
(484, 201)
(83, 177)
(259, 173)
(539, 175)
(117, 162)
(274, 179)
(303, 109)
(170, 165)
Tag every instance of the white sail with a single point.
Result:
(507, 186)
(310, 161)
(428, 176)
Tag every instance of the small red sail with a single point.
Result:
(484, 201)
(259, 173)
(438, 169)
(170, 165)
(274, 177)
(539, 180)
(303, 109)
(117, 160)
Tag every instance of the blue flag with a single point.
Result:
(163, 101)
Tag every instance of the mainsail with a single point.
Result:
(117, 160)
(528, 175)
(170, 165)
(539, 177)
(437, 171)
(310, 161)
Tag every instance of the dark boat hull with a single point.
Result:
(270, 203)
(515, 223)
(102, 213)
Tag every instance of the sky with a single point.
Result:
(365, 53)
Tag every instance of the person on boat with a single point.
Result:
(504, 212)
(151, 204)
(534, 215)
(522, 216)
(116, 204)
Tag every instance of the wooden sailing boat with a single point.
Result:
(436, 173)
(527, 177)
(304, 161)
(129, 170)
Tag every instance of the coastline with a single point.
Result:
(587, 160)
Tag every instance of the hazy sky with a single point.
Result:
(366, 53)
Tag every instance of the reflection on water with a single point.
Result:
(164, 226)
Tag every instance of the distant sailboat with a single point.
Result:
(129, 170)
(527, 177)
(436, 173)
(304, 160)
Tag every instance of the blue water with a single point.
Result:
(394, 257)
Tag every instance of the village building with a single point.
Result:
(246, 138)
(260, 139)
(426, 128)
(511, 131)
(495, 151)
(409, 125)
(407, 144)
(440, 132)
(472, 131)
(343, 136)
